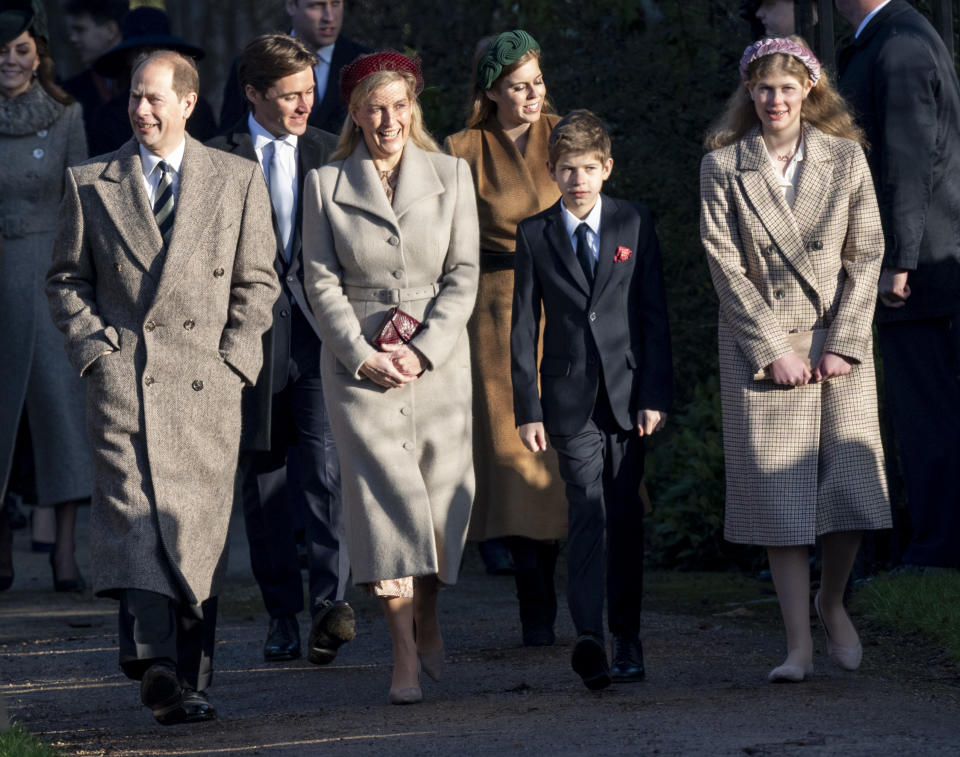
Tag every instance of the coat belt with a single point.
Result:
(391, 296)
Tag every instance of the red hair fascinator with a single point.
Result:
(365, 65)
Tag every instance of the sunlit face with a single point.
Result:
(778, 98)
(385, 119)
(18, 60)
(158, 116)
(90, 39)
(284, 108)
(580, 177)
(519, 96)
(316, 22)
(777, 17)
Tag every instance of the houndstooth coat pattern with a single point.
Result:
(800, 461)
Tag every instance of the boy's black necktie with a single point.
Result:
(584, 254)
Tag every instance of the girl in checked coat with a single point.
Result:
(792, 233)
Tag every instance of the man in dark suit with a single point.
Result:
(592, 265)
(901, 82)
(317, 23)
(289, 465)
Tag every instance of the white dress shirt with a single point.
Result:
(261, 138)
(869, 16)
(788, 180)
(151, 177)
(571, 222)
(321, 71)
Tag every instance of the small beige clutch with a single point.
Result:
(807, 345)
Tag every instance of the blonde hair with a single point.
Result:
(479, 106)
(350, 134)
(823, 107)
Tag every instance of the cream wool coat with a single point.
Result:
(406, 457)
(800, 461)
(184, 324)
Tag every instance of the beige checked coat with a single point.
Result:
(183, 330)
(406, 454)
(800, 461)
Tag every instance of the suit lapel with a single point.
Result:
(816, 172)
(608, 240)
(760, 186)
(198, 201)
(126, 202)
(417, 180)
(359, 186)
(556, 233)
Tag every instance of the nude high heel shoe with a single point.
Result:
(432, 663)
(790, 673)
(847, 658)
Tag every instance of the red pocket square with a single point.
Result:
(622, 254)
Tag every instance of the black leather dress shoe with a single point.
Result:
(589, 661)
(196, 707)
(627, 659)
(160, 691)
(538, 636)
(332, 627)
(283, 639)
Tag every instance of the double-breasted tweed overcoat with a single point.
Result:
(800, 461)
(406, 454)
(39, 138)
(184, 325)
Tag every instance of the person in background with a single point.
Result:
(317, 23)
(901, 81)
(393, 222)
(163, 283)
(94, 28)
(284, 419)
(145, 30)
(41, 134)
(519, 495)
(793, 239)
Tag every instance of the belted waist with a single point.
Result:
(391, 296)
(496, 261)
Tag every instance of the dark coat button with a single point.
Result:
(149, 326)
(189, 324)
(148, 380)
(197, 385)
(284, 313)
(398, 274)
(218, 273)
(778, 294)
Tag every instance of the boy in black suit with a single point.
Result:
(592, 265)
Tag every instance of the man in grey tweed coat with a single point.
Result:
(163, 283)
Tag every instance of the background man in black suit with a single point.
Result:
(284, 420)
(318, 24)
(94, 28)
(592, 265)
(901, 82)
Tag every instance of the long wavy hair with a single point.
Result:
(823, 107)
(47, 71)
(350, 134)
(479, 106)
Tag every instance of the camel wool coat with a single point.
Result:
(182, 327)
(800, 461)
(406, 454)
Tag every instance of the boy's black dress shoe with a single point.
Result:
(196, 707)
(283, 639)
(589, 661)
(627, 659)
(160, 691)
(332, 627)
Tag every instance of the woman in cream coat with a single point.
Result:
(394, 222)
(790, 224)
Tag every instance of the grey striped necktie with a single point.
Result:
(163, 207)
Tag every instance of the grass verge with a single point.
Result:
(926, 603)
(18, 742)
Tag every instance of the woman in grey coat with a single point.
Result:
(392, 221)
(41, 133)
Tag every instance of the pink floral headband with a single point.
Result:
(780, 45)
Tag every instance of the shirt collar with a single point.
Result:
(149, 160)
(325, 52)
(869, 17)
(261, 137)
(571, 222)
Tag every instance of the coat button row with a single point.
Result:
(406, 410)
(197, 385)
(148, 380)
(771, 249)
(393, 241)
(778, 294)
(593, 317)
(217, 273)
(149, 326)
(189, 324)
(284, 313)
(408, 446)
(815, 245)
(398, 274)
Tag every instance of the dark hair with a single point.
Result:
(579, 131)
(47, 71)
(270, 57)
(101, 11)
(185, 76)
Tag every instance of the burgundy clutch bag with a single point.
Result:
(398, 328)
